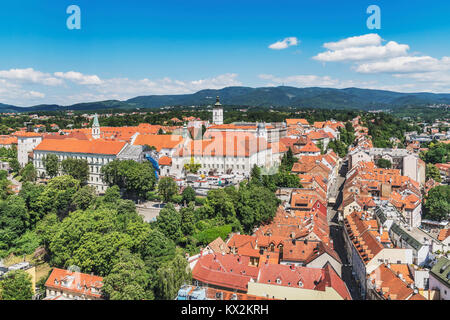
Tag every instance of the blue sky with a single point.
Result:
(134, 47)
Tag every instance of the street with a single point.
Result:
(337, 232)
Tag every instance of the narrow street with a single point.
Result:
(337, 232)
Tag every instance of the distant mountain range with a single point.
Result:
(326, 98)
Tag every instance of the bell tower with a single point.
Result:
(218, 112)
(95, 128)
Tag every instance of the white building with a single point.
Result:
(224, 154)
(218, 113)
(96, 152)
(440, 278)
(26, 142)
(409, 163)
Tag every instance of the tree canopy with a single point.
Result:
(136, 179)
(16, 285)
(77, 168)
(437, 204)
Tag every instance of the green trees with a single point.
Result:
(28, 173)
(384, 163)
(320, 146)
(136, 179)
(16, 285)
(77, 168)
(256, 205)
(112, 195)
(170, 277)
(14, 220)
(432, 172)
(437, 204)
(347, 134)
(57, 196)
(192, 167)
(255, 175)
(188, 219)
(437, 153)
(15, 165)
(128, 279)
(84, 197)
(167, 188)
(31, 194)
(5, 185)
(339, 147)
(169, 222)
(51, 165)
(288, 160)
(188, 195)
(206, 236)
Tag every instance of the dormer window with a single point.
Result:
(278, 280)
(300, 284)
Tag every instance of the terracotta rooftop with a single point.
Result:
(98, 146)
(80, 283)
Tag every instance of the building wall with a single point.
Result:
(410, 167)
(290, 293)
(237, 165)
(421, 279)
(24, 146)
(322, 260)
(354, 206)
(390, 255)
(357, 157)
(436, 284)
(95, 162)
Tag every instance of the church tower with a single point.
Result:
(95, 128)
(217, 112)
(261, 130)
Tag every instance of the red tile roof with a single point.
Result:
(225, 271)
(444, 234)
(98, 146)
(165, 161)
(303, 278)
(389, 285)
(310, 147)
(164, 141)
(8, 140)
(79, 283)
(26, 134)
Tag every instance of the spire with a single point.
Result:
(218, 112)
(95, 128)
(96, 123)
(218, 104)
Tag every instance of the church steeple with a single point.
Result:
(218, 112)
(96, 128)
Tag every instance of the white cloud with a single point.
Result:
(370, 56)
(124, 88)
(28, 86)
(407, 64)
(371, 39)
(35, 94)
(285, 43)
(79, 78)
(30, 75)
(360, 53)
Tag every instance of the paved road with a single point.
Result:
(15, 182)
(337, 233)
